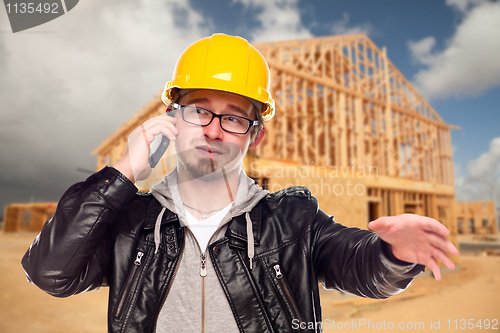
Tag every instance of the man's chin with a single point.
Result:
(208, 168)
(205, 170)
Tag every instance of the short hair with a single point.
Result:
(260, 127)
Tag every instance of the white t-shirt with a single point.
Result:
(204, 229)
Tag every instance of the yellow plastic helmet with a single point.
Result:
(226, 63)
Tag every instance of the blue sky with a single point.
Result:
(68, 84)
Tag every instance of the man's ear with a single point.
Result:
(257, 139)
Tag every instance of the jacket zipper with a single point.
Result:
(128, 284)
(283, 284)
(203, 266)
(203, 273)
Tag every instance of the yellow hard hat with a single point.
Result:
(225, 63)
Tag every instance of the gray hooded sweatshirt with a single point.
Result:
(195, 303)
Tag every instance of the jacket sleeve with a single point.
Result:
(357, 261)
(71, 253)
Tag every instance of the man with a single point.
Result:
(207, 250)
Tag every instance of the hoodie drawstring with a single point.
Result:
(157, 228)
(248, 195)
(251, 241)
(250, 244)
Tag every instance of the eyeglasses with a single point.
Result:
(202, 117)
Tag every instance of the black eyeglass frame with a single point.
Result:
(214, 115)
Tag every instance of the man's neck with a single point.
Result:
(208, 195)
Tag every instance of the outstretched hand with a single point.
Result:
(416, 239)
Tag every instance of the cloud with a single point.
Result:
(482, 174)
(421, 50)
(464, 5)
(279, 20)
(341, 27)
(70, 83)
(487, 165)
(469, 64)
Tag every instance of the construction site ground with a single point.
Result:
(463, 299)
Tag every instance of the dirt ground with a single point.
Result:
(459, 302)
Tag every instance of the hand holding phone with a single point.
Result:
(146, 146)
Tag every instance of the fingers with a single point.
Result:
(134, 163)
(441, 243)
(160, 125)
(434, 267)
(438, 253)
(452, 249)
(170, 131)
(421, 239)
(441, 255)
(431, 225)
(440, 246)
(145, 135)
(449, 247)
(378, 225)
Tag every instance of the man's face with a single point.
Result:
(203, 151)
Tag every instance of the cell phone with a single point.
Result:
(157, 149)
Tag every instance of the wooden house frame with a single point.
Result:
(346, 119)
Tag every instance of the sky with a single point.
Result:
(67, 85)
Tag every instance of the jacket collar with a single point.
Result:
(237, 232)
(154, 208)
(245, 218)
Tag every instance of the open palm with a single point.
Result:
(416, 239)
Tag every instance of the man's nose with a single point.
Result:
(214, 131)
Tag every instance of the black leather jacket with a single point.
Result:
(102, 234)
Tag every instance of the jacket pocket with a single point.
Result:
(285, 291)
(128, 283)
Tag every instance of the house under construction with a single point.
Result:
(477, 218)
(348, 125)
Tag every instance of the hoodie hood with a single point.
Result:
(247, 197)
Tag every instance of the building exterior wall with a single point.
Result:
(476, 218)
(342, 193)
(356, 196)
(27, 217)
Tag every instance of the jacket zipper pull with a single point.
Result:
(128, 283)
(278, 271)
(138, 259)
(203, 267)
